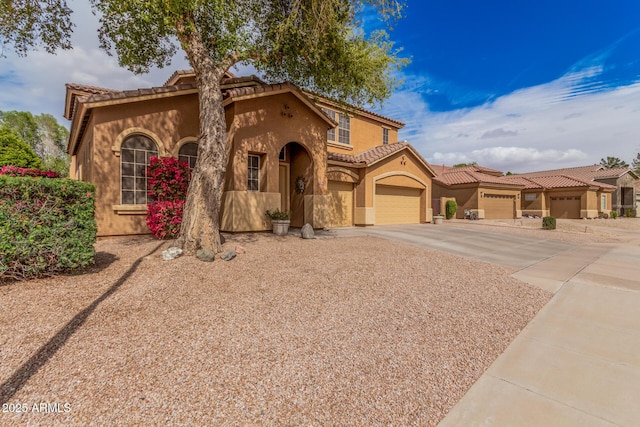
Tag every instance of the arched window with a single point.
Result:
(189, 153)
(135, 153)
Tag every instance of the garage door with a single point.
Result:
(499, 206)
(397, 205)
(565, 207)
(341, 204)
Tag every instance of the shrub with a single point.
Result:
(168, 184)
(549, 223)
(614, 214)
(629, 213)
(164, 218)
(47, 226)
(278, 215)
(18, 171)
(450, 208)
(168, 179)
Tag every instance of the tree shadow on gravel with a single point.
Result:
(20, 377)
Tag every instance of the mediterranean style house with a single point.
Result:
(585, 192)
(326, 163)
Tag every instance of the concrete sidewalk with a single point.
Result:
(577, 363)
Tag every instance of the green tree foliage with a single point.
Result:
(46, 137)
(613, 162)
(29, 24)
(16, 152)
(318, 45)
(462, 165)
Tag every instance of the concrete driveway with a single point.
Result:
(577, 363)
(504, 249)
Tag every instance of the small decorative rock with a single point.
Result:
(205, 255)
(240, 250)
(307, 232)
(228, 255)
(171, 253)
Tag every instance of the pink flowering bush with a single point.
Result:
(164, 218)
(168, 184)
(17, 171)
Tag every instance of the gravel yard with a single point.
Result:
(348, 331)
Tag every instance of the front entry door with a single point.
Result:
(283, 187)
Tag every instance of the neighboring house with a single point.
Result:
(563, 196)
(622, 180)
(329, 165)
(489, 194)
(478, 190)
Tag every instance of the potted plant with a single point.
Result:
(280, 221)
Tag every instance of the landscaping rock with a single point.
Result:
(228, 255)
(205, 255)
(171, 253)
(240, 250)
(307, 232)
(222, 239)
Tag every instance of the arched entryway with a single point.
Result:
(295, 180)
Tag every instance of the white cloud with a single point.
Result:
(568, 122)
(36, 83)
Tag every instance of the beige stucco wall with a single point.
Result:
(365, 134)
(262, 126)
(165, 120)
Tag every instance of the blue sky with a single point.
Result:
(511, 84)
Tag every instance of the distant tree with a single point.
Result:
(22, 124)
(613, 162)
(509, 173)
(635, 164)
(15, 152)
(462, 165)
(46, 137)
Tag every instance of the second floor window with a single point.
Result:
(344, 127)
(385, 136)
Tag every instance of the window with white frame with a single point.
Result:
(253, 180)
(331, 133)
(344, 129)
(603, 203)
(135, 153)
(385, 136)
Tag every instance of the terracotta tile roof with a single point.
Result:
(254, 90)
(374, 154)
(611, 173)
(469, 176)
(89, 89)
(580, 171)
(113, 95)
(565, 181)
(528, 184)
(473, 168)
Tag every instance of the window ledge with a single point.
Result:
(130, 209)
(340, 145)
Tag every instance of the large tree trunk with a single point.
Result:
(201, 218)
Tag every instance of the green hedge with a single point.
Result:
(47, 226)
